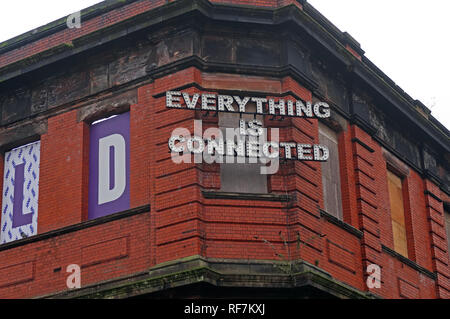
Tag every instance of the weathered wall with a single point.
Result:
(57, 103)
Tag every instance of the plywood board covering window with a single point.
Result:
(331, 181)
(241, 177)
(397, 213)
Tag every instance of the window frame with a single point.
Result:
(403, 177)
(264, 180)
(324, 129)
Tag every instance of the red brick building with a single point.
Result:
(214, 230)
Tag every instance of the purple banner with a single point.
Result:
(109, 166)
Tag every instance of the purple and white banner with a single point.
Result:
(20, 193)
(109, 166)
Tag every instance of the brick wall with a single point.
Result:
(104, 252)
(243, 229)
(182, 222)
(63, 173)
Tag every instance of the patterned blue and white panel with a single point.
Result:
(20, 193)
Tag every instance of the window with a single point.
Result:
(397, 213)
(331, 180)
(109, 162)
(20, 193)
(241, 177)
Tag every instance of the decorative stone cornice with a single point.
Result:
(288, 278)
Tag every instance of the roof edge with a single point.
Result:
(59, 24)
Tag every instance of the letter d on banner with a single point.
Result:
(111, 168)
(109, 161)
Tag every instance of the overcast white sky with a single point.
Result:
(407, 39)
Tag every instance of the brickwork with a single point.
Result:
(106, 251)
(64, 162)
(439, 247)
(182, 222)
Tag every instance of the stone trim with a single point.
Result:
(408, 262)
(367, 147)
(347, 227)
(76, 227)
(427, 192)
(246, 196)
(226, 273)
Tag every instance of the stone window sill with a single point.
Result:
(246, 196)
(75, 227)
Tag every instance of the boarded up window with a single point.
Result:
(397, 213)
(109, 166)
(331, 180)
(241, 177)
(19, 217)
